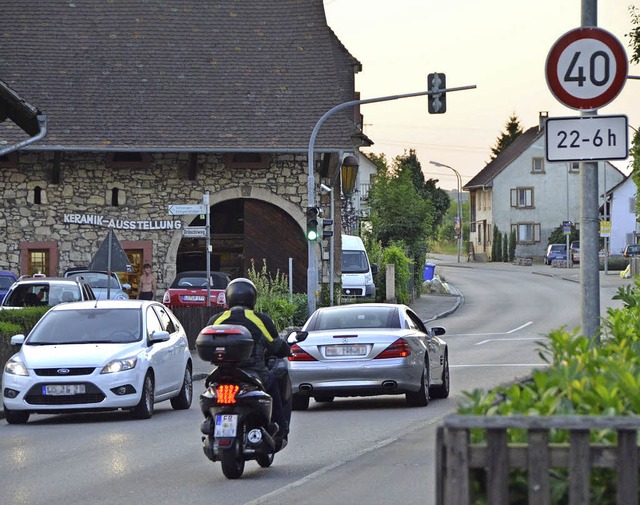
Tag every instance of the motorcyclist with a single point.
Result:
(241, 295)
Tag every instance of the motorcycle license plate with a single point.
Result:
(226, 425)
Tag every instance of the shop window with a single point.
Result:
(39, 257)
(247, 160)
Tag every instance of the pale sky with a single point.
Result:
(501, 46)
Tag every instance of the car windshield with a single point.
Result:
(558, 248)
(362, 316)
(34, 294)
(354, 262)
(99, 280)
(196, 281)
(87, 326)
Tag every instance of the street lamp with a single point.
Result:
(459, 202)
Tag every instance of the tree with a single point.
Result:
(494, 244)
(505, 248)
(634, 44)
(513, 131)
(426, 189)
(512, 245)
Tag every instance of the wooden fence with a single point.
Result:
(194, 319)
(456, 456)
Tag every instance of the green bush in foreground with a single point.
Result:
(584, 377)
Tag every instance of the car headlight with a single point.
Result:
(16, 367)
(119, 365)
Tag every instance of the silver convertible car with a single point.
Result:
(368, 349)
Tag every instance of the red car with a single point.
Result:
(189, 289)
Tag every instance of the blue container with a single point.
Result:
(427, 274)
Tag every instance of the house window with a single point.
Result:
(537, 165)
(522, 198)
(39, 257)
(38, 261)
(114, 197)
(247, 160)
(574, 166)
(37, 195)
(526, 233)
(632, 205)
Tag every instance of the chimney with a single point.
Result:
(542, 118)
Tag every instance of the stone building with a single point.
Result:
(152, 104)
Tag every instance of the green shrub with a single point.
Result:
(13, 322)
(273, 297)
(394, 254)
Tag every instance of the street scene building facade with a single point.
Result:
(152, 104)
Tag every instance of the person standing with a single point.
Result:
(147, 284)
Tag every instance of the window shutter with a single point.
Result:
(536, 232)
(514, 197)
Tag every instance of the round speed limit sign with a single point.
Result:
(586, 68)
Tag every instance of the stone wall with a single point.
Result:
(143, 194)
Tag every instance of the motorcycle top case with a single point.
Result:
(224, 343)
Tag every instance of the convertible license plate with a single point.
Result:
(63, 389)
(226, 425)
(332, 351)
(192, 298)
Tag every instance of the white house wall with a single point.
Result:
(623, 216)
(556, 195)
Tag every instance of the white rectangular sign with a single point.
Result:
(179, 210)
(587, 138)
(194, 231)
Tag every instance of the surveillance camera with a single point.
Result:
(325, 188)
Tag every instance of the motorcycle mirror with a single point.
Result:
(297, 336)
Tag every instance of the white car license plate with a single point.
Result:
(345, 350)
(226, 425)
(63, 389)
(192, 298)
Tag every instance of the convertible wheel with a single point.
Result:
(144, 409)
(16, 416)
(420, 398)
(183, 400)
(299, 402)
(442, 390)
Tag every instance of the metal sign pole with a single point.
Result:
(205, 201)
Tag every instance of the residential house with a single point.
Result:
(520, 191)
(159, 103)
(621, 211)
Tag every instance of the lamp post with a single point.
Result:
(459, 202)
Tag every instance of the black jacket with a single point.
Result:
(266, 340)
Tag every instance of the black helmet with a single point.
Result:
(241, 291)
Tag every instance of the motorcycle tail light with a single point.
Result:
(227, 393)
(298, 354)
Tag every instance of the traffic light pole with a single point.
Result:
(312, 270)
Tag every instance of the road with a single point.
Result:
(374, 450)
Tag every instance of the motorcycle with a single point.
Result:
(237, 409)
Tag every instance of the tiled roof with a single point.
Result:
(506, 157)
(178, 74)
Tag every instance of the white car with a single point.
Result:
(99, 355)
(104, 286)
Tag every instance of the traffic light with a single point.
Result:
(327, 228)
(437, 101)
(312, 224)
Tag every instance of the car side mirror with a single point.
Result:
(159, 336)
(18, 339)
(374, 269)
(126, 287)
(297, 336)
(437, 331)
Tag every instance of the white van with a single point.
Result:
(357, 272)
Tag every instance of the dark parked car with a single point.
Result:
(631, 250)
(6, 280)
(575, 251)
(555, 252)
(189, 289)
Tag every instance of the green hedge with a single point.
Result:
(13, 322)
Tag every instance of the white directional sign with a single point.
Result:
(179, 210)
(586, 68)
(586, 138)
(194, 231)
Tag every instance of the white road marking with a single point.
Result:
(505, 340)
(495, 365)
(493, 333)
(520, 327)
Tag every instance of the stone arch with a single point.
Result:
(259, 196)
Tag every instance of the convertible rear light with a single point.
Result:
(227, 393)
(298, 354)
(399, 349)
